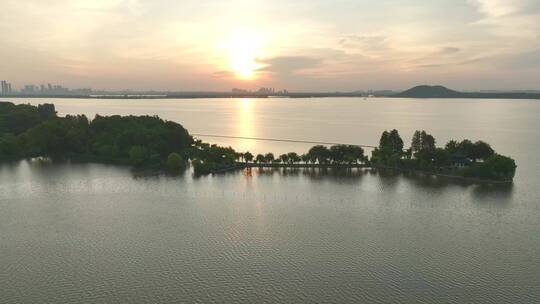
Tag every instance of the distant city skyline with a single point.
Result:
(315, 45)
(6, 88)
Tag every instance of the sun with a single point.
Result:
(244, 48)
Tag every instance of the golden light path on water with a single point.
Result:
(246, 126)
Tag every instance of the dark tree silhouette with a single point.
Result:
(248, 157)
(269, 157)
(260, 159)
(482, 150)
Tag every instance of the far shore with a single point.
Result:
(210, 95)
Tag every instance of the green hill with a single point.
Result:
(426, 91)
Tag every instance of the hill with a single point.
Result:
(426, 91)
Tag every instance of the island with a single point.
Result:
(28, 131)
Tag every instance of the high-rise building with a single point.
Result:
(5, 88)
(4, 85)
(29, 89)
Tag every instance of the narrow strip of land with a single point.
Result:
(281, 140)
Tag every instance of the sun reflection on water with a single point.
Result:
(246, 125)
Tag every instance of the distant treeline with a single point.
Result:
(28, 131)
(422, 91)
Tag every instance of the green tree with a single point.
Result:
(240, 157)
(10, 146)
(46, 111)
(396, 142)
(482, 150)
(501, 167)
(428, 141)
(320, 154)
(390, 150)
(260, 159)
(138, 155)
(452, 147)
(248, 157)
(441, 158)
(293, 157)
(269, 157)
(337, 153)
(467, 148)
(422, 141)
(349, 154)
(16, 119)
(175, 161)
(496, 167)
(416, 144)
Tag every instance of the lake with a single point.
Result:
(90, 233)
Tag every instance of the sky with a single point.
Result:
(301, 45)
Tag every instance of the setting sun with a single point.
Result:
(244, 47)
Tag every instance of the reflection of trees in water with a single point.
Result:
(387, 177)
(10, 165)
(264, 171)
(480, 191)
(485, 192)
(49, 168)
(494, 193)
(338, 175)
(157, 174)
(434, 182)
(341, 174)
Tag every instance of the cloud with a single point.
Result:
(440, 57)
(521, 61)
(365, 42)
(449, 50)
(509, 18)
(495, 8)
(500, 8)
(429, 66)
(224, 74)
(287, 65)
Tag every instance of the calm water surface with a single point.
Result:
(76, 233)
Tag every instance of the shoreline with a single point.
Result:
(515, 96)
(242, 166)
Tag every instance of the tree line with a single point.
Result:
(464, 158)
(337, 154)
(28, 131)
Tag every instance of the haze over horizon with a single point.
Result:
(315, 45)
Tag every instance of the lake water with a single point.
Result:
(88, 233)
